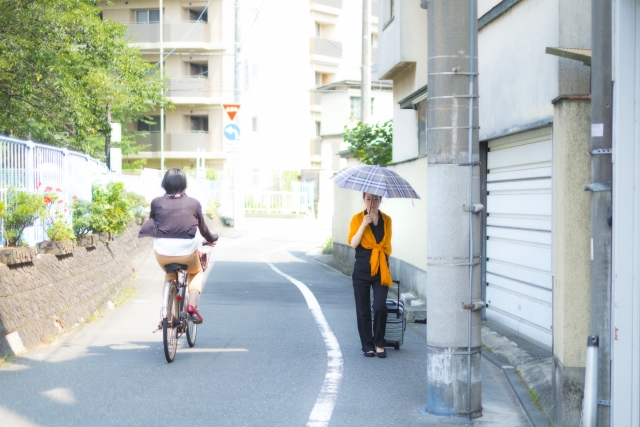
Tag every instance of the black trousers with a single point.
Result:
(369, 336)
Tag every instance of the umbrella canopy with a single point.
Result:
(374, 180)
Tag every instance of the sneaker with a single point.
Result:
(194, 315)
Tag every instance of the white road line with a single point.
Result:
(322, 410)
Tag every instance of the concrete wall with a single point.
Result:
(396, 44)
(53, 294)
(518, 79)
(571, 256)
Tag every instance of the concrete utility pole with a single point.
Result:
(601, 180)
(236, 53)
(161, 25)
(453, 224)
(365, 86)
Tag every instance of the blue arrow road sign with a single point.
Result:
(232, 132)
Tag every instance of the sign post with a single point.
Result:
(230, 137)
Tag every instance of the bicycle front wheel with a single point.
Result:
(192, 331)
(170, 326)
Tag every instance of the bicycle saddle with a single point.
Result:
(174, 268)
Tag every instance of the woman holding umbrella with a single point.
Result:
(370, 236)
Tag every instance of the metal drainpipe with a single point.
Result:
(472, 20)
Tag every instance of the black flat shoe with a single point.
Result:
(369, 354)
(381, 354)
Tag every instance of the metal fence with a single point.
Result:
(299, 200)
(32, 167)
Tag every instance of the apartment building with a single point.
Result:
(198, 66)
(293, 53)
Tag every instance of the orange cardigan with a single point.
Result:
(379, 251)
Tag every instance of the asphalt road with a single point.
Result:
(278, 347)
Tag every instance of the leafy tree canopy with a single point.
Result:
(60, 65)
(370, 144)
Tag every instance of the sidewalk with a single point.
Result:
(522, 367)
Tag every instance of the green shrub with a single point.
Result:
(212, 208)
(88, 218)
(137, 204)
(110, 210)
(112, 202)
(60, 231)
(21, 210)
(370, 144)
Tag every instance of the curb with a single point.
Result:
(535, 417)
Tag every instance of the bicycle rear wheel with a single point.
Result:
(169, 326)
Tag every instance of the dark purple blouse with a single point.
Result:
(176, 218)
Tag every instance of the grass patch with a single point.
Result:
(328, 244)
(123, 295)
(534, 397)
(6, 359)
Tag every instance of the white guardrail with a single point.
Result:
(30, 166)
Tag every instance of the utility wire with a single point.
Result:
(251, 27)
(190, 29)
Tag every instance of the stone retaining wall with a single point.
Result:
(52, 294)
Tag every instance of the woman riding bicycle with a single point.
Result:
(177, 226)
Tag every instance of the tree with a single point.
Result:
(370, 144)
(60, 65)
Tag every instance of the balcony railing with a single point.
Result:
(192, 87)
(186, 141)
(326, 47)
(332, 3)
(173, 32)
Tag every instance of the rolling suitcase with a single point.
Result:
(396, 323)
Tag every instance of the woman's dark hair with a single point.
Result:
(174, 181)
(365, 194)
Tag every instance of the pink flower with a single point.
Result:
(48, 189)
(75, 197)
(65, 209)
(58, 190)
(59, 202)
(48, 199)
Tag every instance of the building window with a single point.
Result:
(148, 16)
(199, 124)
(422, 127)
(194, 15)
(198, 70)
(254, 123)
(318, 29)
(388, 11)
(356, 106)
(153, 128)
(318, 128)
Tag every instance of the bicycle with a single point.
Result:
(174, 320)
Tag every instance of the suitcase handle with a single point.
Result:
(398, 313)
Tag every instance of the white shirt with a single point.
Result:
(177, 247)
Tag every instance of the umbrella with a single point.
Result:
(374, 180)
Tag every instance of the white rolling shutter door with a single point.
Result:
(519, 207)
